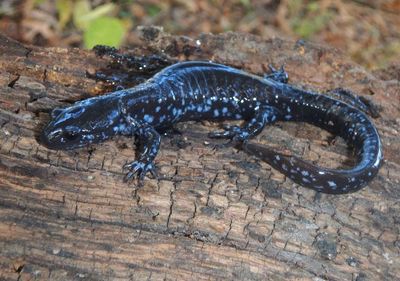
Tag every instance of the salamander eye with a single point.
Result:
(71, 132)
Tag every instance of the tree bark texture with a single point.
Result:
(215, 214)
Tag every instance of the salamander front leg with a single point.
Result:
(149, 144)
(263, 116)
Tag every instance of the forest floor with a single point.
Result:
(368, 31)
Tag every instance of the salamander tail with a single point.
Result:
(306, 174)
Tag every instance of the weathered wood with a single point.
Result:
(217, 214)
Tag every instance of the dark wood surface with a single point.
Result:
(216, 214)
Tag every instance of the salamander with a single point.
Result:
(199, 90)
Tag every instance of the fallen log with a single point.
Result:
(216, 213)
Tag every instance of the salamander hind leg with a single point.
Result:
(265, 115)
(149, 143)
(277, 75)
(359, 102)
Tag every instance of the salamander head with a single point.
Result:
(80, 124)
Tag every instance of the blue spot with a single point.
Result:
(88, 137)
(216, 113)
(113, 114)
(148, 118)
(224, 110)
(158, 108)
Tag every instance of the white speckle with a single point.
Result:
(304, 173)
(198, 42)
(332, 184)
(369, 173)
(387, 257)
(321, 172)
(56, 251)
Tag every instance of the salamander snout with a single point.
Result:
(61, 137)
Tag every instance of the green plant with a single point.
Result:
(97, 25)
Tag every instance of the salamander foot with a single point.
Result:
(139, 169)
(277, 75)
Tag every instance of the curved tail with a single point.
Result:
(320, 179)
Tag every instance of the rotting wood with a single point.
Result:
(216, 214)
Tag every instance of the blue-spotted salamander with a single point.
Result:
(197, 90)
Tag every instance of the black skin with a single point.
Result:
(207, 91)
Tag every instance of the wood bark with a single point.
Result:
(215, 214)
